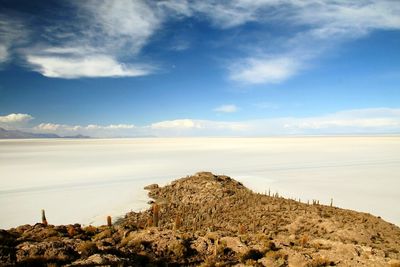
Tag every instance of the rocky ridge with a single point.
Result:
(212, 220)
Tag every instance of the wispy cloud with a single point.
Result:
(91, 66)
(116, 32)
(190, 127)
(119, 25)
(103, 40)
(359, 120)
(176, 124)
(323, 25)
(266, 105)
(65, 127)
(226, 108)
(3, 53)
(94, 130)
(12, 34)
(264, 70)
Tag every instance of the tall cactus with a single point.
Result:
(44, 220)
(156, 210)
(178, 222)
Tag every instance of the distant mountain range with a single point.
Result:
(15, 134)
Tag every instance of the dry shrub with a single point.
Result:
(71, 231)
(278, 257)
(104, 234)
(149, 222)
(242, 229)
(178, 249)
(177, 222)
(90, 230)
(252, 254)
(87, 248)
(304, 240)
(320, 261)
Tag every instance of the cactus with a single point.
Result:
(216, 248)
(109, 224)
(178, 222)
(304, 240)
(156, 210)
(71, 230)
(242, 229)
(44, 220)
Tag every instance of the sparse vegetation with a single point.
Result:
(320, 262)
(87, 248)
(211, 220)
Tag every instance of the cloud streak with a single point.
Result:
(106, 38)
(324, 24)
(264, 70)
(79, 67)
(12, 34)
(226, 108)
(102, 40)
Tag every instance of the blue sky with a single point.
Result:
(200, 68)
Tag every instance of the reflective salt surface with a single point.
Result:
(86, 180)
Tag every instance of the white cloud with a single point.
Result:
(3, 53)
(15, 118)
(266, 105)
(121, 24)
(91, 66)
(189, 127)
(326, 123)
(117, 31)
(176, 124)
(12, 34)
(48, 127)
(56, 127)
(352, 15)
(110, 127)
(62, 129)
(94, 130)
(226, 109)
(93, 42)
(324, 24)
(358, 121)
(267, 70)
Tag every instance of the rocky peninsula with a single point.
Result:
(211, 220)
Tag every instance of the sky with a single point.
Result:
(200, 68)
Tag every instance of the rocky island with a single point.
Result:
(211, 220)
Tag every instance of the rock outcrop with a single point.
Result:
(212, 220)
